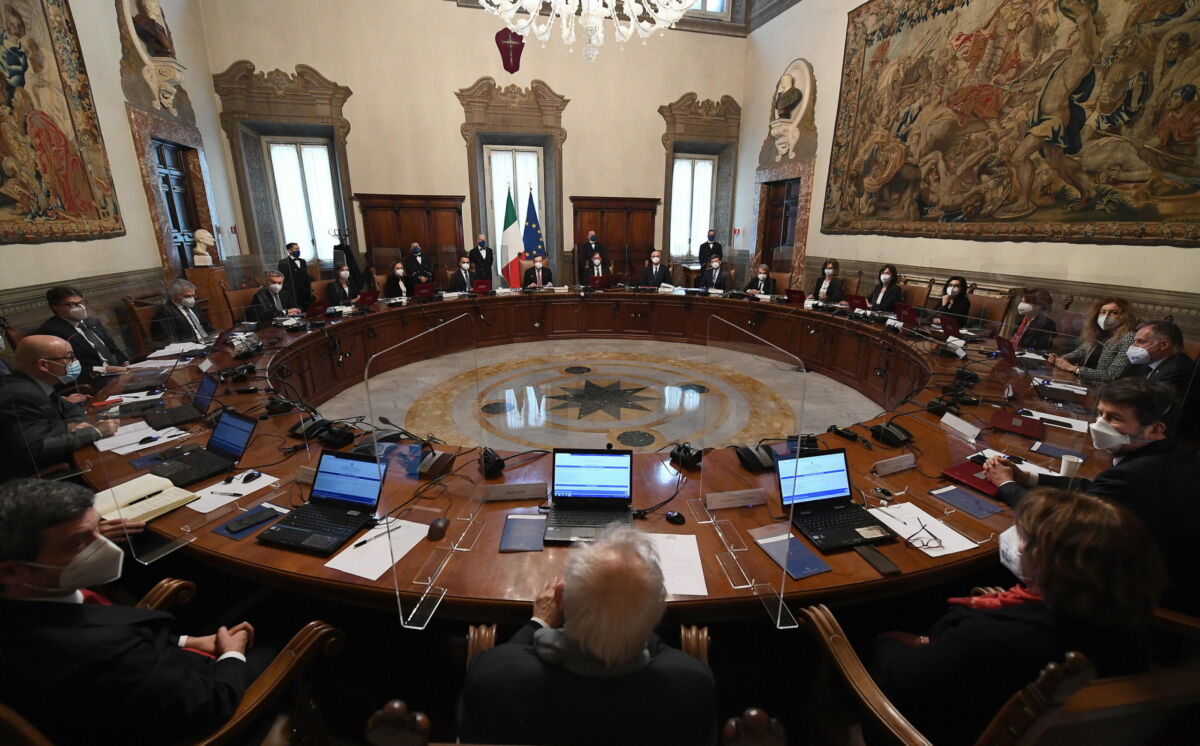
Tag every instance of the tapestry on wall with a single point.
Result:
(55, 183)
(1059, 120)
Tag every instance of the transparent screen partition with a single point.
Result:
(427, 452)
(754, 409)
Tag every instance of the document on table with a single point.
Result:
(221, 494)
(1052, 418)
(129, 435)
(164, 364)
(177, 348)
(372, 559)
(1030, 355)
(906, 519)
(1025, 466)
(679, 558)
(161, 436)
(1062, 386)
(139, 396)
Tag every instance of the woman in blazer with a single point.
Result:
(1107, 333)
(1036, 330)
(342, 291)
(397, 284)
(954, 300)
(883, 296)
(829, 288)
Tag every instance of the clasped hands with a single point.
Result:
(236, 639)
(1000, 470)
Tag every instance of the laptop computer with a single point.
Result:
(345, 494)
(316, 308)
(794, 296)
(949, 325)
(600, 283)
(145, 379)
(906, 314)
(857, 301)
(189, 411)
(1008, 353)
(1015, 423)
(481, 286)
(424, 290)
(816, 487)
(367, 298)
(592, 489)
(225, 448)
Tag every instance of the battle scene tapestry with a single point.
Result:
(1056, 120)
(55, 183)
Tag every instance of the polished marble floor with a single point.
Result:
(589, 393)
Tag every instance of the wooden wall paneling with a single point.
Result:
(529, 320)
(625, 226)
(636, 317)
(396, 220)
(667, 319)
(600, 318)
(565, 319)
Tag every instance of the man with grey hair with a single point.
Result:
(762, 283)
(590, 648)
(274, 299)
(177, 318)
(128, 678)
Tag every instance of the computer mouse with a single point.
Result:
(148, 439)
(251, 476)
(676, 517)
(437, 529)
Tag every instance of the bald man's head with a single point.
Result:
(40, 355)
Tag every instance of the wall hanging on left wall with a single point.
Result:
(55, 182)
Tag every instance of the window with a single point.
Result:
(693, 189)
(303, 190)
(518, 168)
(711, 8)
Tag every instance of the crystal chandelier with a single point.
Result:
(643, 17)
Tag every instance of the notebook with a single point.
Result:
(815, 486)
(345, 494)
(1015, 423)
(592, 489)
(481, 287)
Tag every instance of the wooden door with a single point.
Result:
(624, 225)
(393, 221)
(779, 234)
(177, 196)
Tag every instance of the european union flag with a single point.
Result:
(535, 245)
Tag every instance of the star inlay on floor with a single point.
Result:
(607, 398)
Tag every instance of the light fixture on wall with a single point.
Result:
(628, 17)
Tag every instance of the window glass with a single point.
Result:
(692, 183)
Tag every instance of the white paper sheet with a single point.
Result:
(1079, 426)
(163, 436)
(139, 396)
(1030, 355)
(679, 557)
(372, 559)
(210, 500)
(125, 435)
(177, 348)
(152, 363)
(906, 519)
(1027, 466)
(1062, 386)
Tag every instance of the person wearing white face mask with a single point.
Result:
(177, 318)
(596, 267)
(1153, 475)
(1107, 334)
(1093, 579)
(1036, 330)
(715, 276)
(954, 300)
(886, 294)
(273, 300)
(829, 288)
(1157, 355)
(539, 275)
(656, 272)
(62, 642)
(762, 283)
(460, 281)
(94, 347)
(343, 290)
(397, 284)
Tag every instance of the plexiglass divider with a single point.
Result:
(757, 546)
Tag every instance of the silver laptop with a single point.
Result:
(592, 490)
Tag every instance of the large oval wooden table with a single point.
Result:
(485, 585)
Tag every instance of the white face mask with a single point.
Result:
(953, 290)
(1105, 437)
(885, 279)
(1106, 321)
(1010, 552)
(344, 275)
(275, 287)
(1024, 308)
(829, 271)
(188, 302)
(538, 265)
(655, 260)
(79, 313)
(715, 267)
(399, 273)
(1138, 355)
(99, 563)
(464, 267)
(596, 262)
(762, 276)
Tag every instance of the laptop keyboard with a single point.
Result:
(848, 517)
(321, 522)
(593, 518)
(171, 417)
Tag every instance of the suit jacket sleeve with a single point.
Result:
(164, 328)
(113, 348)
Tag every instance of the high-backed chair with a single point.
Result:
(915, 294)
(282, 677)
(990, 311)
(1067, 704)
(851, 283)
(321, 290)
(140, 312)
(237, 301)
(782, 281)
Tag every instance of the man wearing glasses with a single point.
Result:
(90, 341)
(39, 428)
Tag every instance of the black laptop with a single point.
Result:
(345, 494)
(225, 448)
(592, 490)
(189, 411)
(816, 486)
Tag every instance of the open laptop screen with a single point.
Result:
(348, 478)
(204, 394)
(816, 476)
(232, 433)
(593, 474)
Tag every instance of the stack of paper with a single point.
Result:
(907, 519)
(127, 438)
(152, 363)
(679, 558)
(177, 348)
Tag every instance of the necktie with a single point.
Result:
(278, 305)
(466, 280)
(760, 286)
(95, 341)
(197, 330)
(538, 274)
(715, 277)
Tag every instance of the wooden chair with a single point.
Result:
(915, 294)
(693, 640)
(990, 311)
(1066, 704)
(320, 290)
(237, 301)
(285, 673)
(851, 284)
(140, 311)
(782, 280)
(753, 728)
(394, 725)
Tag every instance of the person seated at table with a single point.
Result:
(1153, 475)
(38, 427)
(762, 283)
(589, 645)
(954, 300)
(93, 345)
(177, 318)
(656, 273)
(397, 283)
(1036, 330)
(1092, 577)
(715, 276)
(884, 296)
(829, 288)
(418, 266)
(1107, 333)
(342, 291)
(273, 300)
(1157, 355)
(460, 281)
(539, 275)
(86, 671)
(596, 267)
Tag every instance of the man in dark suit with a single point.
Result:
(295, 276)
(657, 273)
(418, 266)
(543, 685)
(596, 267)
(539, 275)
(715, 276)
(38, 427)
(460, 281)
(1157, 355)
(762, 283)
(592, 247)
(709, 249)
(1152, 474)
(483, 257)
(122, 672)
(177, 318)
(273, 300)
(93, 345)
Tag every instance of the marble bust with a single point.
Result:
(200, 253)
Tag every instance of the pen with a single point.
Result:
(145, 497)
(228, 494)
(370, 539)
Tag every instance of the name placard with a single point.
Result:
(524, 491)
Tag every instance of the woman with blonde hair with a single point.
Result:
(1108, 331)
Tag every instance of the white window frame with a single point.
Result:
(712, 198)
(716, 15)
(490, 216)
(277, 214)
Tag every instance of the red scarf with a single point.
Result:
(1014, 596)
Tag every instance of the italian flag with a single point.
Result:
(511, 245)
